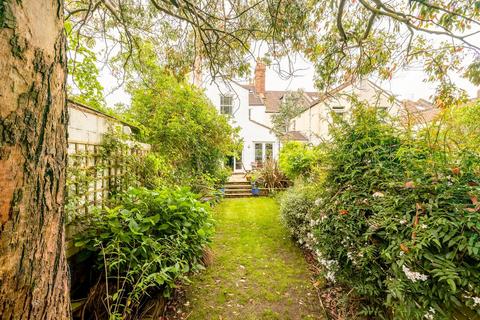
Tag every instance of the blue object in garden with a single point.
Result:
(255, 189)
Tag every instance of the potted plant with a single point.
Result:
(254, 181)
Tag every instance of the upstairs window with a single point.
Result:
(226, 104)
(339, 111)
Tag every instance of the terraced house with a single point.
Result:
(250, 107)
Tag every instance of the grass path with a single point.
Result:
(257, 272)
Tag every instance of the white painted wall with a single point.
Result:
(315, 121)
(253, 122)
(85, 126)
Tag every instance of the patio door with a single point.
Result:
(237, 165)
(263, 152)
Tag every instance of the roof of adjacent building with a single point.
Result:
(295, 136)
(421, 111)
(273, 99)
(85, 108)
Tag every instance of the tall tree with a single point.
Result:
(343, 37)
(33, 142)
(293, 103)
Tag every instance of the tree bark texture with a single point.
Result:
(33, 142)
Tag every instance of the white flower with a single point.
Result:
(330, 276)
(351, 257)
(423, 226)
(318, 202)
(378, 194)
(476, 301)
(414, 276)
(430, 315)
(403, 221)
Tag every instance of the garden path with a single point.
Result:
(257, 271)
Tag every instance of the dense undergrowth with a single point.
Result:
(144, 246)
(153, 227)
(394, 215)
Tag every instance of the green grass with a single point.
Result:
(257, 272)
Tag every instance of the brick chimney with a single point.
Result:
(259, 80)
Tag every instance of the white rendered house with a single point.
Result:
(250, 107)
(315, 120)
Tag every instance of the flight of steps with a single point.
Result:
(238, 189)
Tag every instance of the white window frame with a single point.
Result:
(340, 111)
(264, 150)
(224, 106)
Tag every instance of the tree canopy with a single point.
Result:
(343, 38)
(182, 125)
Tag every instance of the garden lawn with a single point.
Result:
(257, 272)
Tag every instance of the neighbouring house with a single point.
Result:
(314, 122)
(250, 107)
(419, 113)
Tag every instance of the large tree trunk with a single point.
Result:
(33, 141)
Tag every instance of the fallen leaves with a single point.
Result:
(404, 248)
(409, 185)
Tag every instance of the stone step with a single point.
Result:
(239, 195)
(232, 183)
(238, 191)
(238, 186)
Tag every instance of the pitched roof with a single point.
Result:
(344, 85)
(421, 111)
(272, 99)
(295, 136)
(82, 107)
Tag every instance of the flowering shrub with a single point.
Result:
(398, 221)
(296, 211)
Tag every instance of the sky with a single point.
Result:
(405, 84)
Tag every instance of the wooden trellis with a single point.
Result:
(93, 177)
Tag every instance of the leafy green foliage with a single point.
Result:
(364, 37)
(147, 243)
(83, 70)
(296, 206)
(181, 124)
(297, 159)
(292, 105)
(396, 219)
(458, 127)
(270, 176)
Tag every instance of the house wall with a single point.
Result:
(315, 121)
(253, 122)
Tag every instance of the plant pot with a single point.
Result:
(255, 191)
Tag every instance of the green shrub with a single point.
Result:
(154, 171)
(153, 239)
(182, 125)
(296, 206)
(398, 221)
(297, 159)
